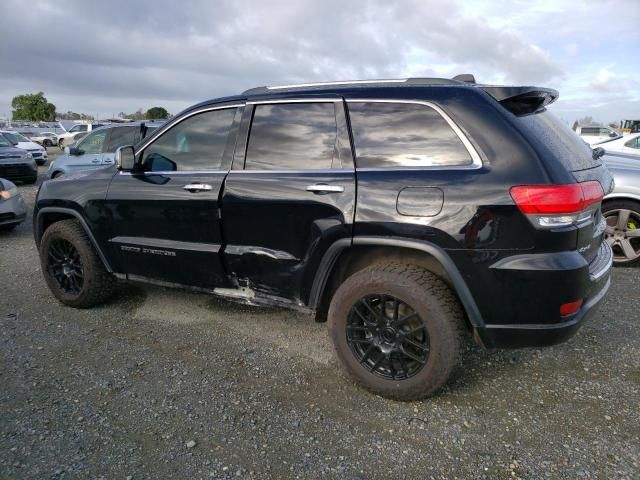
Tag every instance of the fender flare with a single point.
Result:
(69, 211)
(458, 283)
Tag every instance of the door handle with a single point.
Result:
(324, 188)
(198, 187)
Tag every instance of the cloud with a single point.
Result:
(120, 55)
(606, 81)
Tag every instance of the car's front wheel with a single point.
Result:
(61, 143)
(398, 330)
(71, 267)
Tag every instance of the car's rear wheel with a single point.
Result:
(61, 143)
(398, 330)
(623, 231)
(71, 267)
(47, 143)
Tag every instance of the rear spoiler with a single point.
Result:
(522, 100)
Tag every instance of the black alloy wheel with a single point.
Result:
(387, 337)
(65, 266)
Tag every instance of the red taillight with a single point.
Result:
(570, 308)
(556, 199)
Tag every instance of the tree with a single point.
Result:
(74, 116)
(157, 113)
(33, 107)
(138, 115)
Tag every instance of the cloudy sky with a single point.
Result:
(109, 56)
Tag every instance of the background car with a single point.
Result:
(593, 134)
(46, 139)
(65, 139)
(15, 163)
(38, 152)
(97, 149)
(629, 144)
(13, 210)
(621, 208)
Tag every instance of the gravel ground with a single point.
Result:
(170, 384)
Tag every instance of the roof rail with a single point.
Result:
(406, 81)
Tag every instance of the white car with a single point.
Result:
(38, 152)
(628, 144)
(593, 134)
(46, 139)
(66, 139)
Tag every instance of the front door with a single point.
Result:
(291, 198)
(164, 219)
(89, 152)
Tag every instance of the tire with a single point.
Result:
(624, 237)
(61, 143)
(67, 239)
(437, 308)
(47, 143)
(31, 181)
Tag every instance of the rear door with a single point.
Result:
(164, 219)
(291, 197)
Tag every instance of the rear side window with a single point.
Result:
(634, 143)
(563, 143)
(590, 131)
(292, 136)
(121, 136)
(399, 135)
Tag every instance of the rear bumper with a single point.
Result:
(540, 335)
(590, 283)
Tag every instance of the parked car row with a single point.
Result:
(38, 152)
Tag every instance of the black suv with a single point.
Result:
(407, 213)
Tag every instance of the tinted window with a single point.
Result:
(634, 143)
(589, 131)
(121, 136)
(94, 142)
(79, 128)
(403, 135)
(196, 143)
(292, 136)
(563, 143)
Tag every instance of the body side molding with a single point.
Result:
(85, 226)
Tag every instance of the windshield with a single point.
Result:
(564, 144)
(15, 137)
(4, 142)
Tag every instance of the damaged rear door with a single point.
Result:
(289, 195)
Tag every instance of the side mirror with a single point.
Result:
(73, 150)
(125, 158)
(597, 152)
(613, 134)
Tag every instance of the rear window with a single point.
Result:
(567, 147)
(400, 135)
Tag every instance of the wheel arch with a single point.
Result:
(344, 258)
(47, 216)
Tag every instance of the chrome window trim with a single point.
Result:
(298, 171)
(476, 161)
(345, 82)
(296, 100)
(189, 115)
(176, 172)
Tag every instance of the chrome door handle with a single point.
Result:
(198, 187)
(323, 188)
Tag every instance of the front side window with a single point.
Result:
(79, 128)
(196, 143)
(403, 135)
(292, 136)
(590, 131)
(93, 143)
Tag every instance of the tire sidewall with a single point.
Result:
(438, 367)
(56, 232)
